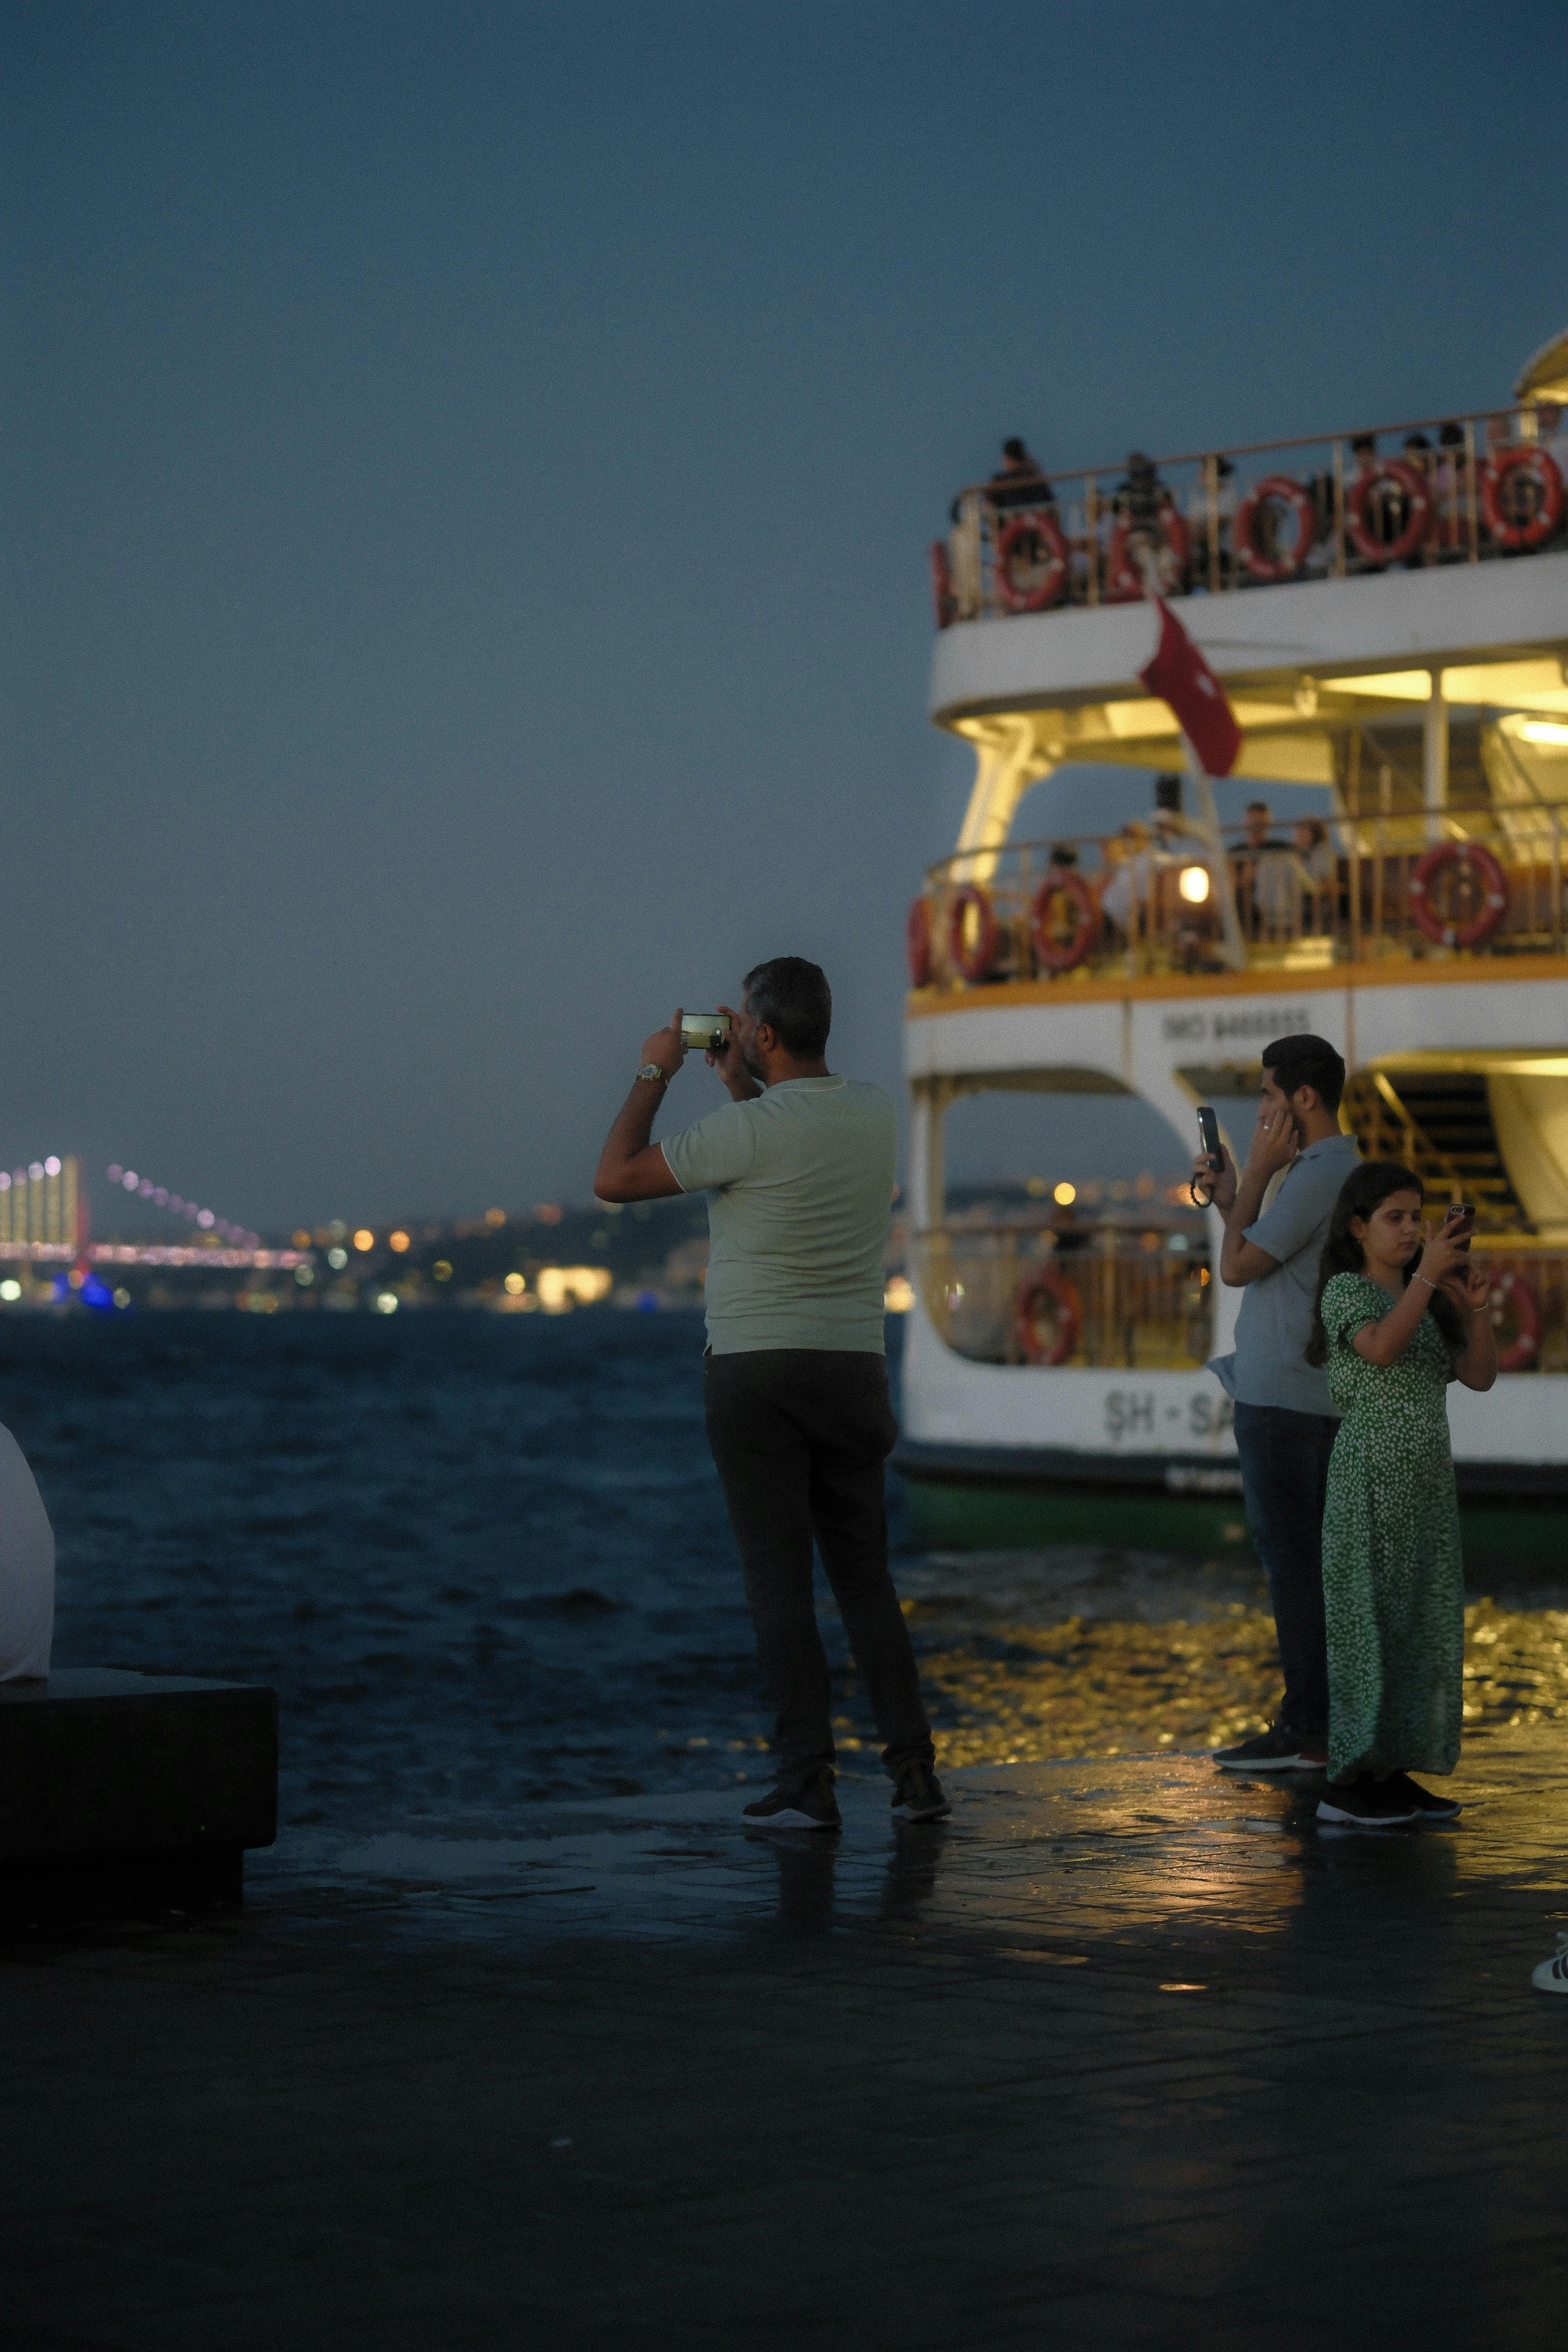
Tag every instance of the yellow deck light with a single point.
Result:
(1195, 884)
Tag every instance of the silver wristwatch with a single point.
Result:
(651, 1071)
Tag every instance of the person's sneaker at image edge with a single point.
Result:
(813, 1807)
(919, 1797)
(1551, 1976)
(1278, 1749)
(1430, 1806)
(1365, 1804)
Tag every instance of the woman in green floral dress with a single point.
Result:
(1401, 1313)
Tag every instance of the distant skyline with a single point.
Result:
(468, 473)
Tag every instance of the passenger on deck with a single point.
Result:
(26, 1571)
(1267, 885)
(1450, 483)
(1125, 894)
(1318, 868)
(1019, 481)
(1140, 504)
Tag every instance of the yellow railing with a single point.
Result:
(1449, 490)
(1306, 895)
(1012, 1293)
(1002, 1292)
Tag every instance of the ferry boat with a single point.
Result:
(1387, 612)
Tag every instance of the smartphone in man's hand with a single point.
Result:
(1208, 1136)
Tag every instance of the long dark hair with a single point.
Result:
(1364, 1189)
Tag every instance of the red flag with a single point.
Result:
(1180, 676)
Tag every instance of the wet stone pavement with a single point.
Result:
(1125, 2055)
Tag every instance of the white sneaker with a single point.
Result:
(1551, 1976)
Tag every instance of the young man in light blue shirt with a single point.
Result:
(1285, 1420)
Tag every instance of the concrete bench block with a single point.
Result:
(116, 1785)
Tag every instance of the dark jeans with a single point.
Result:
(800, 1436)
(1284, 1476)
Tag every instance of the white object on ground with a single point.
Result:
(26, 1571)
(1551, 1976)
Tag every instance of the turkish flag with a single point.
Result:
(1180, 676)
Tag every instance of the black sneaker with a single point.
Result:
(1365, 1804)
(813, 1807)
(1278, 1749)
(918, 1797)
(1430, 1806)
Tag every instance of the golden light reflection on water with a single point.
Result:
(1012, 1693)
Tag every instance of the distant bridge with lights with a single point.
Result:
(43, 1222)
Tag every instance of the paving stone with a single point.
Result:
(919, 2090)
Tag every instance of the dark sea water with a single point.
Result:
(482, 1558)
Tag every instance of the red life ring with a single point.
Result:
(1056, 954)
(1036, 1290)
(1511, 1289)
(1037, 523)
(1418, 500)
(1124, 581)
(917, 942)
(941, 584)
(1469, 856)
(1543, 465)
(973, 962)
(1274, 489)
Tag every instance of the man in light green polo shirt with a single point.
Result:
(799, 1167)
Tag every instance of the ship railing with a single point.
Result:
(1346, 889)
(1011, 1293)
(1002, 1292)
(1463, 488)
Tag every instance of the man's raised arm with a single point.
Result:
(630, 1167)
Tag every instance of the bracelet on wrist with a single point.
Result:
(1421, 1278)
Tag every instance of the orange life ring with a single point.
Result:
(1056, 954)
(1032, 1294)
(1124, 582)
(1511, 1289)
(1418, 499)
(1543, 465)
(1274, 489)
(941, 584)
(1035, 523)
(917, 942)
(973, 962)
(1471, 857)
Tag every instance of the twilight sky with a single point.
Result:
(468, 470)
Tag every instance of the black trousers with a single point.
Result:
(1285, 1477)
(800, 1436)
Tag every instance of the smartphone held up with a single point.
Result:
(1211, 1150)
(705, 1032)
